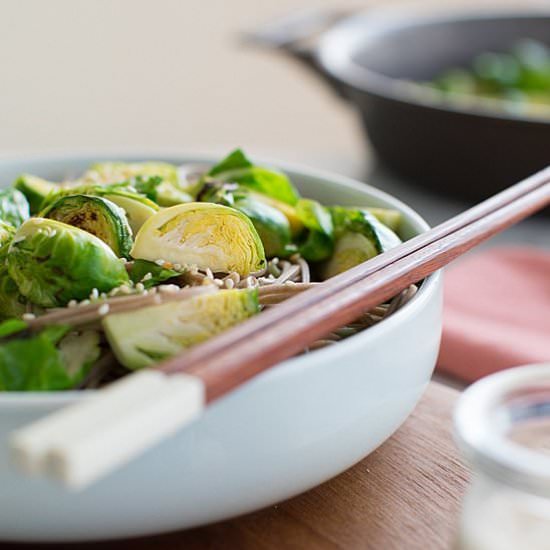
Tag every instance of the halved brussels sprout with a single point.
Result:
(237, 168)
(350, 250)
(137, 207)
(202, 234)
(96, 215)
(296, 225)
(359, 237)
(271, 224)
(389, 217)
(143, 337)
(317, 240)
(35, 190)
(53, 263)
(14, 208)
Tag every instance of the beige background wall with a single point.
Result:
(166, 73)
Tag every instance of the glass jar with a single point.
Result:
(502, 424)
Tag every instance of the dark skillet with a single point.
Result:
(470, 153)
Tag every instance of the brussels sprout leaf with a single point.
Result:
(150, 274)
(36, 364)
(163, 192)
(236, 160)
(14, 207)
(317, 242)
(236, 168)
(33, 364)
(11, 326)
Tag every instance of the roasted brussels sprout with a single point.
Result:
(137, 207)
(316, 242)
(14, 208)
(236, 168)
(53, 263)
(202, 234)
(35, 190)
(359, 237)
(96, 215)
(144, 337)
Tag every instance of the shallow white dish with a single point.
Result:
(288, 430)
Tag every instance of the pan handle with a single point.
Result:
(297, 35)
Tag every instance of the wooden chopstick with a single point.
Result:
(84, 442)
(246, 350)
(344, 280)
(82, 315)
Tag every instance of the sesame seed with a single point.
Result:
(140, 287)
(147, 277)
(103, 309)
(72, 303)
(160, 262)
(229, 283)
(94, 294)
(28, 316)
(169, 289)
(84, 302)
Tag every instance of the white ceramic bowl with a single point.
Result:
(288, 430)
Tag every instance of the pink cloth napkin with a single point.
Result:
(496, 313)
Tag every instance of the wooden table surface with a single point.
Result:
(404, 496)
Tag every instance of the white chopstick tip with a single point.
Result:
(84, 442)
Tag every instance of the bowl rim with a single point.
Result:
(337, 46)
(9, 401)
